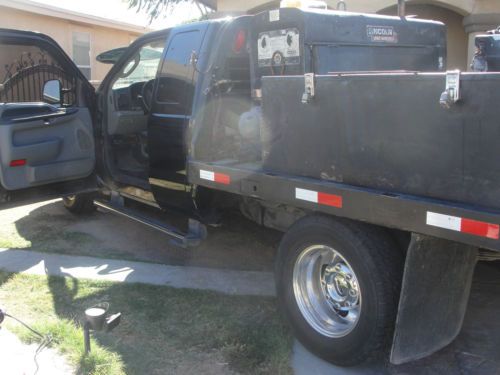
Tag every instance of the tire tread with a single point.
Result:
(386, 257)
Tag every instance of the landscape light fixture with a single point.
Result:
(97, 319)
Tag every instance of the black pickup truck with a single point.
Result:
(342, 130)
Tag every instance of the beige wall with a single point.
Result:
(101, 38)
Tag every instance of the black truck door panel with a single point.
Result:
(47, 145)
(169, 119)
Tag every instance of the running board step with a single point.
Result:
(197, 232)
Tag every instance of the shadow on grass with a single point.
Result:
(169, 330)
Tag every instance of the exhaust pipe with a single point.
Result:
(401, 8)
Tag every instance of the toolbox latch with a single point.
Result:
(451, 95)
(309, 92)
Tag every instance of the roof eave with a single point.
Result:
(52, 11)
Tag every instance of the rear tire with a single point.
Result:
(338, 285)
(80, 204)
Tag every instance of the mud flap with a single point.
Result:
(434, 295)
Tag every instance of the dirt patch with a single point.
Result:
(237, 244)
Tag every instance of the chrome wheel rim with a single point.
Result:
(327, 291)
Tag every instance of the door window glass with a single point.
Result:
(142, 67)
(24, 69)
(81, 53)
(175, 89)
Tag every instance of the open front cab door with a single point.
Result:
(47, 144)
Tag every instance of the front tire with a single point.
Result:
(80, 204)
(338, 285)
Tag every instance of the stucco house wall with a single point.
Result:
(101, 38)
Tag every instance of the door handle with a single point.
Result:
(46, 121)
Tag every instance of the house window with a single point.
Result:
(81, 53)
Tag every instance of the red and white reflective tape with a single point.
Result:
(220, 178)
(463, 225)
(319, 197)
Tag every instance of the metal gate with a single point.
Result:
(25, 77)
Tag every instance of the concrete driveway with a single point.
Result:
(241, 245)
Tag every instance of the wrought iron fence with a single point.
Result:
(25, 77)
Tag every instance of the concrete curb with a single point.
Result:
(19, 358)
(306, 363)
(80, 267)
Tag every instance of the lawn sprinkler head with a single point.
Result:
(97, 319)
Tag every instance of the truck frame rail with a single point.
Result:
(476, 226)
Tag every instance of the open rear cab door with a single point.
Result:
(47, 137)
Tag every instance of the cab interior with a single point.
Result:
(227, 99)
(129, 95)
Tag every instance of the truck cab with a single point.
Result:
(61, 137)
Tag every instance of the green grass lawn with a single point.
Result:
(163, 330)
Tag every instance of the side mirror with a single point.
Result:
(52, 92)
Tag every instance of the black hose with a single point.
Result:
(24, 324)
